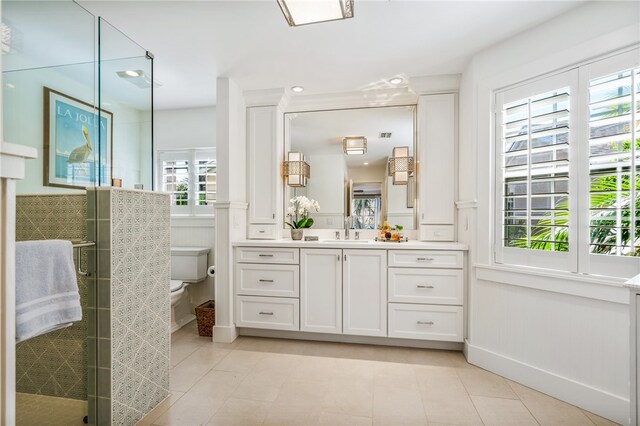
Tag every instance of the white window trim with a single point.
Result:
(191, 155)
(578, 259)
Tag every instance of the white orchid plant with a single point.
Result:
(298, 211)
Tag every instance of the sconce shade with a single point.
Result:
(401, 165)
(303, 12)
(296, 170)
(354, 145)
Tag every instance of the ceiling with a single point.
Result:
(194, 42)
(314, 133)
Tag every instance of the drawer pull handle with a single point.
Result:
(425, 322)
(265, 255)
(424, 286)
(261, 232)
(423, 259)
(265, 281)
(266, 313)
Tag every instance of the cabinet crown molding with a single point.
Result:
(266, 97)
(433, 84)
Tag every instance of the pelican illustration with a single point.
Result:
(81, 153)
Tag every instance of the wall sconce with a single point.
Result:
(401, 165)
(296, 170)
(303, 12)
(354, 145)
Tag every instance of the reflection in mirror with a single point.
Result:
(356, 185)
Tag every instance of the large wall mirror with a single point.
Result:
(358, 184)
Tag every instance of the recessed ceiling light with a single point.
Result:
(133, 73)
(396, 80)
(366, 164)
(297, 89)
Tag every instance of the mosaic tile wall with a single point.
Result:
(55, 363)
(139, 309)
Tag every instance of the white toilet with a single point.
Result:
(188, 266)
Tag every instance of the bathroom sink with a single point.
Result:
(344, 242)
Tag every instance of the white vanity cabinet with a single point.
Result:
(343, 291)
(321, 290)
(379, 291)
(426, 295)
(263, 142)
(364, 292)
(436, 166)
(267, 288)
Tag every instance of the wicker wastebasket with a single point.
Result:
(206, 318)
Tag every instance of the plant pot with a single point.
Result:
(296, 234)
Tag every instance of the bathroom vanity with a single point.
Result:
(409, 290)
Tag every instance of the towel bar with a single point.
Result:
(78, 246)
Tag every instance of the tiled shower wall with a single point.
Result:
(55, 363)
(133, 234)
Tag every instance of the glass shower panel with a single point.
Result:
(125, 77)
(49, 103)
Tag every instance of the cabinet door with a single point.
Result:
(262, 163)
(364, 276)
(436, 155)
(321, 290)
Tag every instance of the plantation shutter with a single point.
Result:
(534, 225)
(614, 164)
(206, 181)
(175, 177)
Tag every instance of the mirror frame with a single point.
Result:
(286, 144)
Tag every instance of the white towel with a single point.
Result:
(47, 295)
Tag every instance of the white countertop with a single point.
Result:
(354, 244)
(633, 283)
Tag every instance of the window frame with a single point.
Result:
(578, 258)
(532, 257)
(192, 156)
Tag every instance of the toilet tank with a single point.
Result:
(189, 263)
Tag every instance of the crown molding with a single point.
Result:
(432, 84)
(266, 97)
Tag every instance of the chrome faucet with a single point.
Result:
(348, 221)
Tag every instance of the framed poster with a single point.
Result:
(77, 145)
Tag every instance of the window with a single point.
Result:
(190, 177)
(568, 170)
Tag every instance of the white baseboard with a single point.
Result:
(613, 407)
(345, 338)
(224, 334)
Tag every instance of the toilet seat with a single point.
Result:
(176, 285)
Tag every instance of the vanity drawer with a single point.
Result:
(268, 255)
(274, 313)
(422, 285)
(426, 322)
(267, 280)
(262, 232)
(426, 259)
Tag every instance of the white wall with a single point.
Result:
(564, 335)
(185, 129)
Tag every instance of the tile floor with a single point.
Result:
(258, 381)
